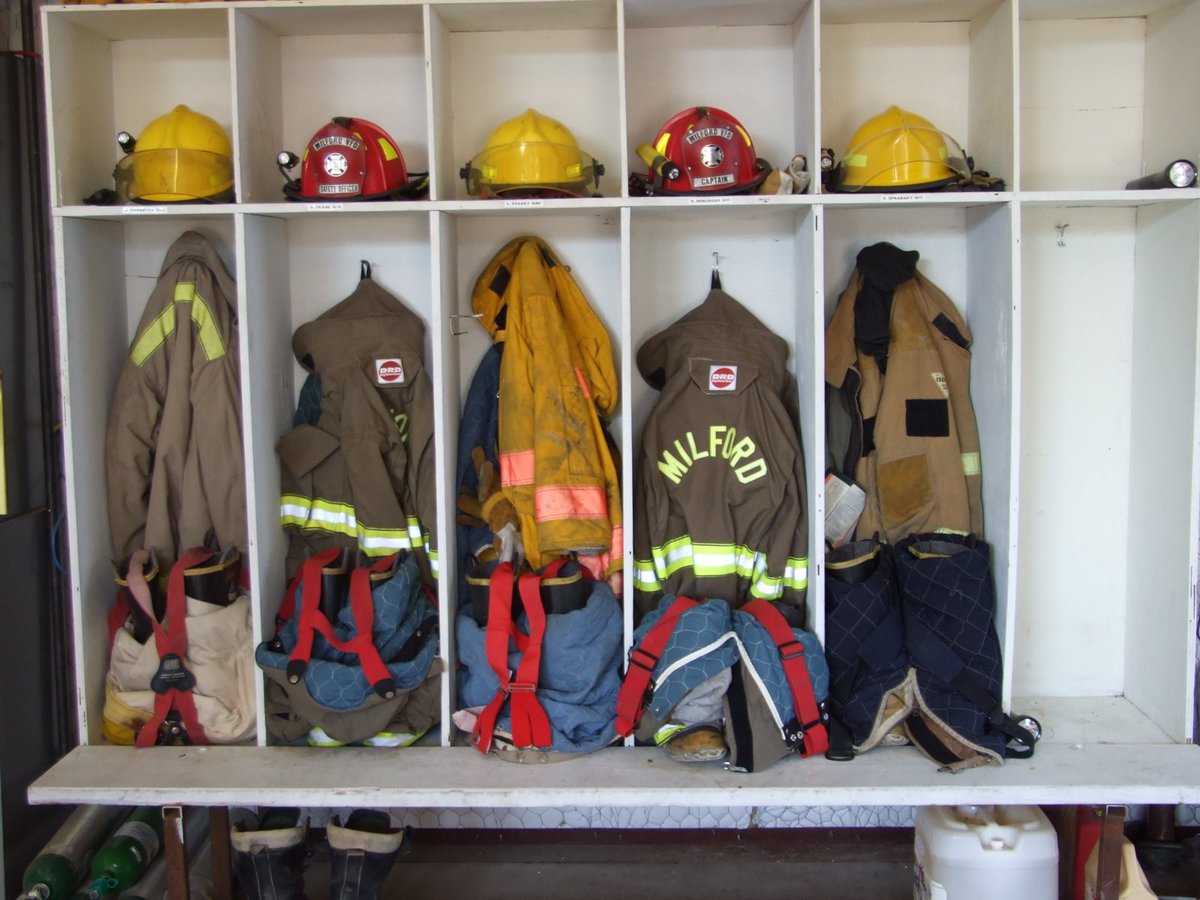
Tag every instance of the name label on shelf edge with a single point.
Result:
(325, 207)
(709, 201)
(510, 204)
(894, 197)
(144, 210)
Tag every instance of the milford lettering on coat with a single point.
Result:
(722, 443)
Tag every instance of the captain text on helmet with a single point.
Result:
(701, 150)
(350, 159)
(532, 155)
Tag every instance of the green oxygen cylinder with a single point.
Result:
(127, 854)
(63, 862)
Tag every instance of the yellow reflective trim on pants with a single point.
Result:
(667, 732)
(970, 463)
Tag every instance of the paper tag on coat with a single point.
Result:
(844, 503)
(389, 371)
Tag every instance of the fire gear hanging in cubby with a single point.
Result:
(355, 658)
(897, 355)
(361, 477)
(721, 503)
(173, 454)
(539, 629)
(558, 389)
(190, 681)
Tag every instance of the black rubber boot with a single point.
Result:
(269, 861)
(361, 854)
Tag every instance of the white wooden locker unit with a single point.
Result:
(1082, 299)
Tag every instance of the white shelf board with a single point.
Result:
(1088, 720)
(708, 13)
(125, 213)
(134, 23)
(526, 15)
(936, 198)
(461, 777)
(842, 12)
(1091, 9)
(1108, 198)
(292, 19)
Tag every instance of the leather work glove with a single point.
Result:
(490, 508)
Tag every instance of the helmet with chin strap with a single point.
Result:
(701, 150)
(350, 159)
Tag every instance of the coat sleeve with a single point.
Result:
(649, 515)
(217, 467)
(129, 456)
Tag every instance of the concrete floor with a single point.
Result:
(798, 864)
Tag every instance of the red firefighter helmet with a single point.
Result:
(350, 159)
(701, 150)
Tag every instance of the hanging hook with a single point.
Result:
(454, 317)
(364, 271)
(1062, 230)
(715, 284)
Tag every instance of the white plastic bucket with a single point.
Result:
(984, 853)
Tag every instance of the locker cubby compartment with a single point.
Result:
(1101, 97)
(951, 63)
(1108, 485)
(110, 268)
(766, 78)
(492, 61)
(967, 252)
(298, 267)
(109, 73)
(300, 66)
(767, 259)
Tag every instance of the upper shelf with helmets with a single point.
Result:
(545, 98)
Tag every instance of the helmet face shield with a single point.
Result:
(532, 155)
(174, 176)
(530, 167)
(898, 151)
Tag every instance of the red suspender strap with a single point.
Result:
(499, 625)
(361, 604)
(172, 683)
(808, 716)
(530, 724)
(310, 608)
(635, 692)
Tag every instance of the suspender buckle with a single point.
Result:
(521, 687)
(172, 675)
(643, 660)
(793, 735)
(791, 650)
